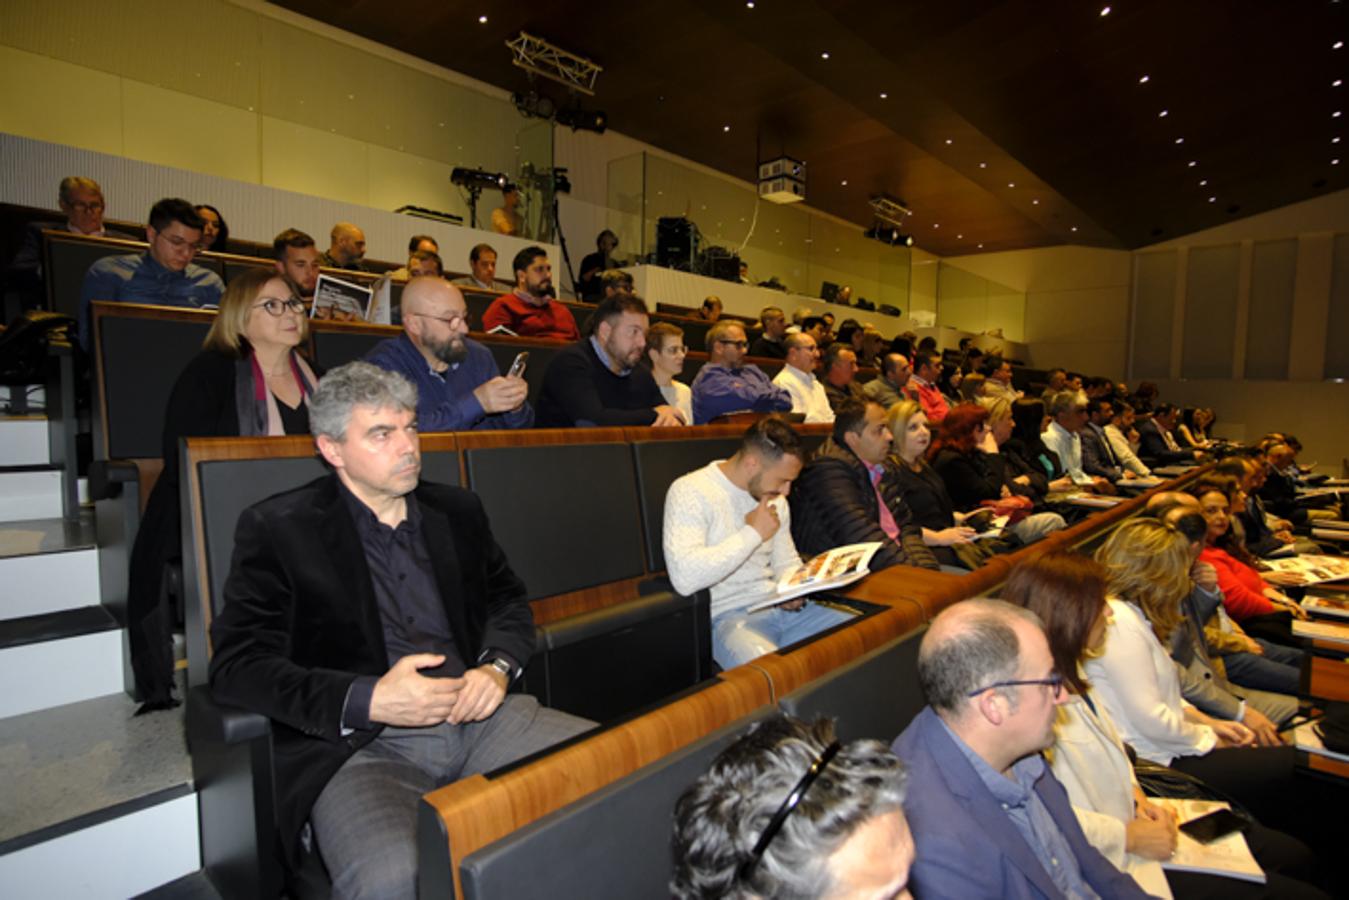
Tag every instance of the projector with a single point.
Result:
(782, 180)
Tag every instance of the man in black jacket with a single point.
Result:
(1157, 445)
(376, 622)
(847, 495)
(599, 381)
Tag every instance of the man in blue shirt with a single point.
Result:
(988, 815)
(724, 386)
(162, 276)
(459, 387)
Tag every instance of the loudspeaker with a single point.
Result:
(676, 243)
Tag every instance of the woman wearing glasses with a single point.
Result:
(249, 379)
(1068, 592)
(666, 351)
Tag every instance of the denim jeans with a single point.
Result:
(739, 636)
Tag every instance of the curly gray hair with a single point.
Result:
(721, 816)
(352, 385)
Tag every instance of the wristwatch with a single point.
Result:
(504, 668)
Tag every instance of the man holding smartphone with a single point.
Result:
(459, 387)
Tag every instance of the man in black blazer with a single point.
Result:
(377, 623)
(1156, 445)
(1097, 457)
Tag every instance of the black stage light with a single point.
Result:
(477, 178)
(578, 119)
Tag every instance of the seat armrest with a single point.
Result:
(208, 720)
(106, 477)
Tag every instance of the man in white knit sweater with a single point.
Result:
(728, 529)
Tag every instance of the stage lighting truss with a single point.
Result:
(889, 210)
(541, 58)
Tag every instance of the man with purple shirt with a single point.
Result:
(724, 386)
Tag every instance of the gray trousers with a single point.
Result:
(365, 821)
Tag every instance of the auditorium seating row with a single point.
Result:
(606, 651)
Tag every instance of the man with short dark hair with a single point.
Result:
(1098, 458)
(848, 841)
(297, 261)
(482, 267)
(725, 384)
(840, 375)
(728, 531)
(422, 242)
(531, 311)
(847, 495)
(798, 379)
(164, 275)
(1157, 446)
(889, 388)
(599, 381)
(1058, 381)
(343, 596)
(1117, 434)
(999, 383)
(818, 328)
(989, 818)
(459, 385)
(922, 386)
(589, 285)
(425, 262)
(347, 249)
(615, 281)
(769, 344)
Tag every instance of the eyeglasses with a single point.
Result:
(452, 321)
(96, 206)
(179, 243)
(1055, 682)
(741, 344)
(675, 349)
(278, 308)
(793, 800)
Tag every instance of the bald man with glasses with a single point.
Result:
(459, 386)
(724, 385)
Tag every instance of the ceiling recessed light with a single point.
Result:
(824, 55)
(726, 128)
(948, 141)
(749, 4)
(844, 182)
(1145, 79)
(1337, 82)
(1011, 184)
(1335, 140)
(1074, 228)
(1180, 140)
(1337, 45)
(1203, 182)
(1335, 114)
(1334, 162)
(981, 246)
(1193, 163)
(1105, 10)
(1163, 114)
(935, 225)
(983, 165)
(1212, 199)
(482, 20)
(960, 237)
(1035, 203)
(884, 95)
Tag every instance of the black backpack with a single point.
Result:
(23, 345)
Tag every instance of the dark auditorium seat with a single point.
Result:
(873, 696)
(67, 257)
(658, 464)
(614, 843)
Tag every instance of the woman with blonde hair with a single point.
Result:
(923, 490)
(249, 379)
(1147, 565)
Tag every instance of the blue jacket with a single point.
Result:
(447, 403)
(967, 848)
(718, 390)
(137, 278)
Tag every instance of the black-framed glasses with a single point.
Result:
(278, 308)
(451, 321)
(793, 800)
(1055, 682)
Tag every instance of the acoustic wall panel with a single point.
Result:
(1154, 305)
(1210, 312)
(1270, 320)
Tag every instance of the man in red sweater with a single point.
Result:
(530, 309)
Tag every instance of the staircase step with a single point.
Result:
(23, 441)
(29, 537)
(57, 658)
(30, 492)
(47, 582)
(195, 886)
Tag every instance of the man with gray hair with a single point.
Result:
(1067, 411)
(788, 811)
(376, 621)
(989, 818)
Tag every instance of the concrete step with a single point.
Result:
(30, 492)
(23, 441)
(98, 802)
(60, 657)
(49, 582)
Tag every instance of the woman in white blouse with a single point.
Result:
(666, 351)
(1136, 682)
(1068, 592)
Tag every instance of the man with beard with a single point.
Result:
(728, 530)
(297, 260)
(531, 310)
(598, 381)
(459, 386)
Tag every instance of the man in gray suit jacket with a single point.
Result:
(989, 818)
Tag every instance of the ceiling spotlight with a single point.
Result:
(824, 55)
(983, 165)
(981, 246)
(1074, 228)
(1193, 163)
(1035, 203)
(749, 4)
(1212, 199)
(886, 234)
(884, 95)
(1203, 182)
(482, 20)
(726, 128)
(1145, 79)
(1334, 162)
(1337, 45)
(1337, 82)
(948, 142)
(1335, 140)
(1163, 114)
(1335, 114)
(1180, 140)
(578, 119)
(1105, 10)
(1011, 184)
(960, 237)
(935, 225)
(844, 182)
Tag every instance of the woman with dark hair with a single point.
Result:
(966, 457)
(249, 379)
(1249, 599)
(1192, 433)
(1028, 419)
(215, 234)
(1068, 592)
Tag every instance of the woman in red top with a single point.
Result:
(1249, 599)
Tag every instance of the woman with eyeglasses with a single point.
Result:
(1147, 566)
(666, 351)
(1068, 592)
(249, 379)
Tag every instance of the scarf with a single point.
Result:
(258, 413)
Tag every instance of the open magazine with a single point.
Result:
(1334, 632)
(1229, 855)
(1083, 498)
(1310, 568)
(340, 300)
(1330, 607)
(828, 571)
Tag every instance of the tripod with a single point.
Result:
(562, 241)
(474, 192)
